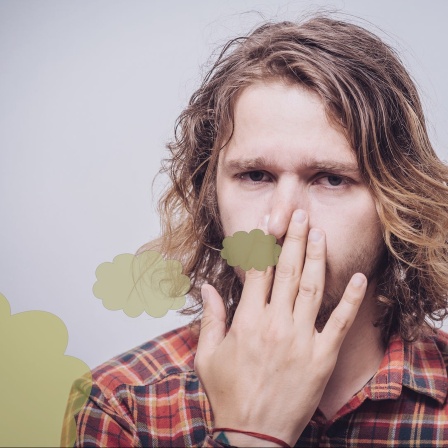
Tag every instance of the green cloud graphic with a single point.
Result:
(251, 250)
(144, 282)
(36, 378)
(79, 395)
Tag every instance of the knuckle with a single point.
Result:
(339, 321)
(241, 328)
(352, 299)
(313, 255)
(285, 270)
(253, 274)
(274, 333)
(296, 238)
(308, 290)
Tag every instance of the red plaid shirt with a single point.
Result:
(151, 396)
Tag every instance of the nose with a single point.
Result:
(284, 200)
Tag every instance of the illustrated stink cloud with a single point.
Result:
(36, 378)
(251, 250)
(141, 283)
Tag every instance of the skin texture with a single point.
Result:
(303, 186)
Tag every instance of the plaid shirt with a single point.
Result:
(151, 396)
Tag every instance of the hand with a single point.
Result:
(268, 373)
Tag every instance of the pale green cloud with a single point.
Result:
(36, 379)
(251, 250)
(79, 395)
(144, 282)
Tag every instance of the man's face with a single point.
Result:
(284, 155)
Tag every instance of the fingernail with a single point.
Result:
(299, 216)
(315, 235)
(358, 280)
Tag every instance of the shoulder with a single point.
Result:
(429, 354)
(440, 338)
(151, 362)
(428, 366)
(147, 396)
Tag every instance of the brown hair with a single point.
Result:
(368, 92)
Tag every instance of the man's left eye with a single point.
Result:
(334, 180)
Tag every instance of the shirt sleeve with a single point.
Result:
(101, 426)
(94, 420)
(104, 420)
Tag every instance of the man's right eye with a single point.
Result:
(254, 176)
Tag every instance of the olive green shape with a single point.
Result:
(141, 283)
(251, 250)
(36, 379)
(79, 394)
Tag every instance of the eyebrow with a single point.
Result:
(336, 166)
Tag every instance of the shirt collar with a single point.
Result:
(419, 366)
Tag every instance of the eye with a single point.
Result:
(332, 180)
(254, 176)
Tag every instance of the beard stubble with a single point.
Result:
(369, 261)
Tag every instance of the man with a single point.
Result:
(314, 133)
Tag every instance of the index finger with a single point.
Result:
(257, 286)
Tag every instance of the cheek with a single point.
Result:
(237, 215)
(243, 219)
(349, 230)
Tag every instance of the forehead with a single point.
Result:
(285, 123)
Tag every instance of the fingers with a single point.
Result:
(289, 268)
(312, 282)
(257, 286)
(254, 296)
(213, 322)
(344, 314)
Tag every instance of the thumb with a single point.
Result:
(213, 322)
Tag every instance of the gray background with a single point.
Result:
(89, 92)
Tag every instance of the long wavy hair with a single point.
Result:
(368, 93)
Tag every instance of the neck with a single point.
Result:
(359, 358)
